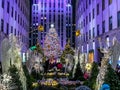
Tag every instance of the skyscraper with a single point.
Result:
(47, 12)
(14, 18)
(97, 19)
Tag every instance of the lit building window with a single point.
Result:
(107, 41)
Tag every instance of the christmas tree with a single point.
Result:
(91, 82)
(51, 44)
(78, 73)
(15, 77)
(112, 79)
(67, 50)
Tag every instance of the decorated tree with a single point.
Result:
(39, 49)
(112, 79)
(91, 82)
(51, 44)
(14, 73)
(67, 50)
(78, 73)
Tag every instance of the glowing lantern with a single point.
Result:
(88, 66)
(40, 28)
(77, 33)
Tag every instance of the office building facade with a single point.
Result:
(14, 18)
(99, 23)
(47, 12)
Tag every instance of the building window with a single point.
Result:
(86, 19)
(18, 19)
(89, 1)
(84, 22)
(16, 1)
(8, 5)
(93, 13)
(15, 15)
(93, 32)
(97, 9)
(86, 4)
(98, 30)
(118, 19)
(2, 25)
(15, 32)
(89, 34)
(103, 27)
(11, 29)
(89, 17)
(110, 1)
(12, 12)
(110, 23)
(2, 3)
(7, 32)
(86, 36)
(103, 4)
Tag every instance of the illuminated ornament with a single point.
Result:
(40, 28)
(33, 48)
(77, 33)
(52, 25)
(88, 66)
(48, 46)
(35, 84)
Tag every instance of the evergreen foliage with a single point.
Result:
(68, 50)
(78, 73)
(91, 82)
(29, 78)
(39, 49)
(112, 79)
(15, 77)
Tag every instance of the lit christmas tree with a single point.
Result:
(51, 44)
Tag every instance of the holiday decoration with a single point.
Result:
(103, 68)
(11, 55)
(33, 48)
(91, 78)
(40, 28)
(6, 82)
(78, 73)
(88, 66)
(77, 33)
(51, 44)
(68, 50)
(111, 78)
(59, 66)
